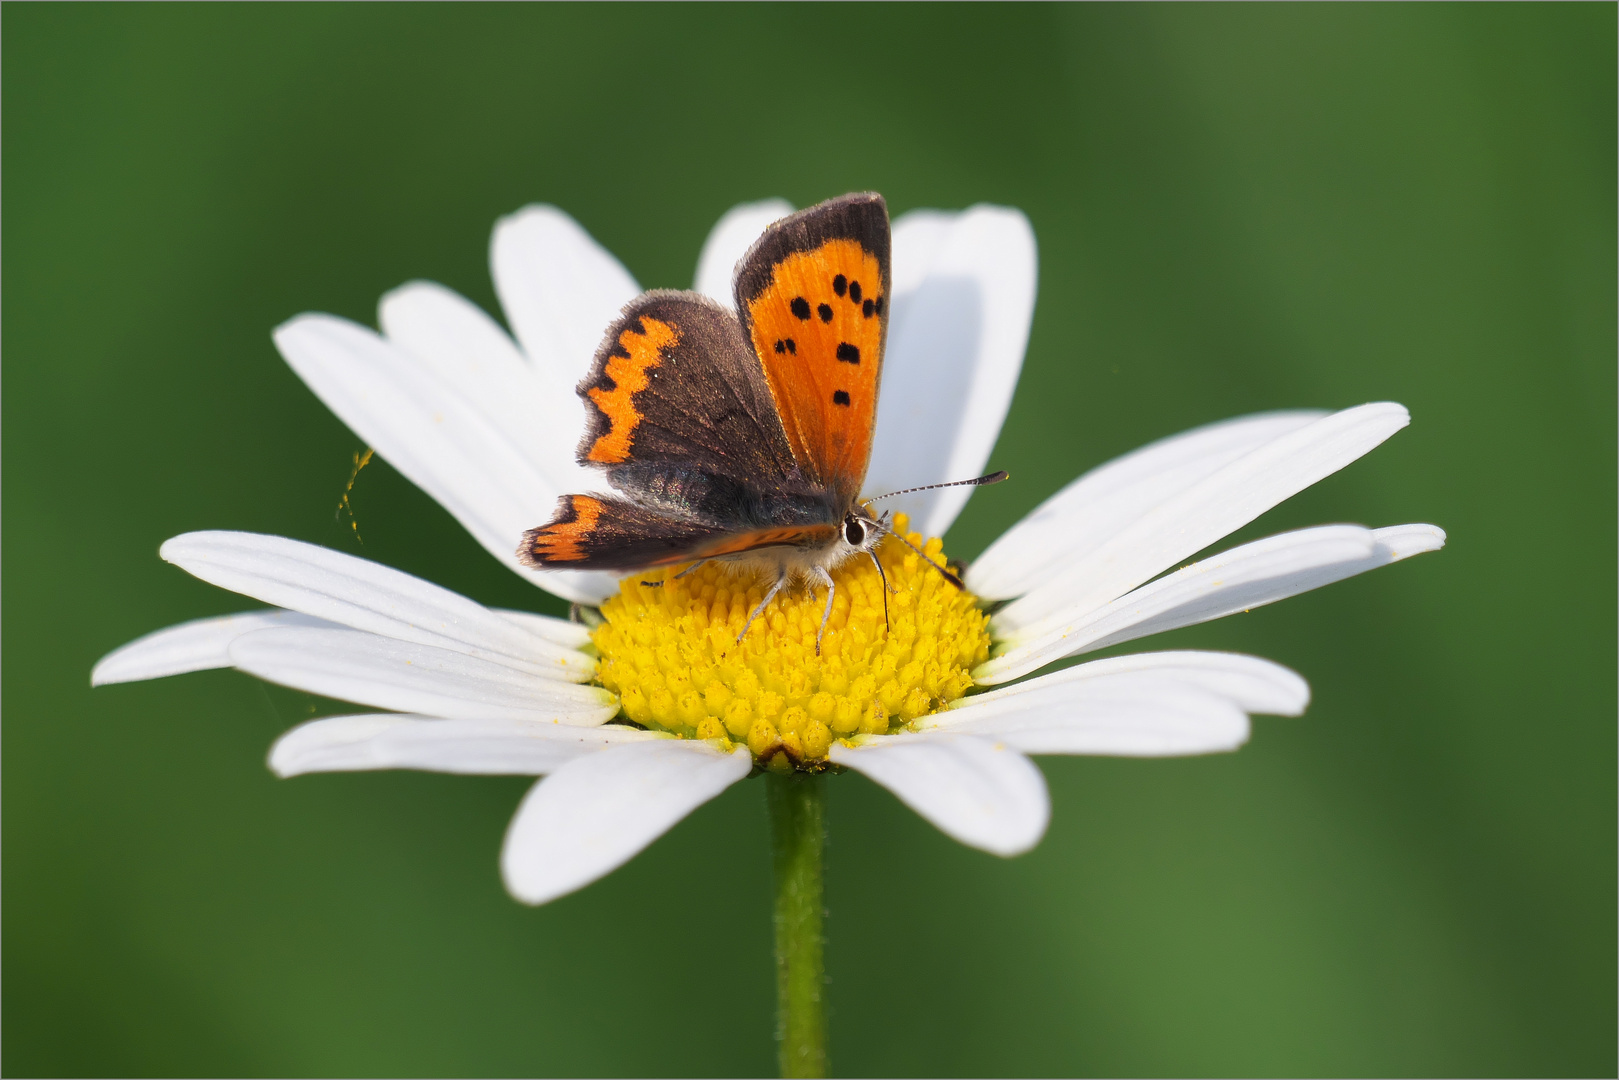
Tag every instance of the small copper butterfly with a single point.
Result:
(741, 434)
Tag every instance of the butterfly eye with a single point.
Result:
(854, 532)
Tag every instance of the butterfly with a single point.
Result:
(744, 434)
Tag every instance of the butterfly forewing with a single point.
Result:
(812, 294)
(674, 383)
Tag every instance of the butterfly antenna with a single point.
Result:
(978, 481)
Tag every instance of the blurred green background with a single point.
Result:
(1238, 208)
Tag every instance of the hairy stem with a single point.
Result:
(798, 833)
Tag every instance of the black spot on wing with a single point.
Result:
(824, 311)
(792, 346)
(800, 307)
(867, 308)
(849, 354)
(878, 305)
(839, 284)
(840, 397)
(854, 291)
(781, 346)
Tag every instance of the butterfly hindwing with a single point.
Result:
(813, 296)
(592, 532)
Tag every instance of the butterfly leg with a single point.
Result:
(886, 587)
(677, 577)
(831, 588)
(769, 596)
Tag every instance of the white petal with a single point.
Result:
(443, 443)
(594, 814)
(560, 289)
(1251, 683)
(1239, 567)
(197, 645)
(964, 288)
(532, 406)
(351, 665)
(1134, 715)
(367, 596)
(1199, 515)
(729, 240)
(981, 792)
(1091, 509)
(570, 635)
(1241, 579)
(397, 741)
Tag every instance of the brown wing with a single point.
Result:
(812, 295)
(594, 533)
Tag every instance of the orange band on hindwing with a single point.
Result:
(628, 365)
(563, 540)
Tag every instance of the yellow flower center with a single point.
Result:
(671, 653)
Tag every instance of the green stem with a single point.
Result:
(798, 833)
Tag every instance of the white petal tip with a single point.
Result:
(537, 212)
(169, 548)
(115, 668)
(410, 292)
(1404, 541)
(301, 324)
(526, 887)
(300, 750)
(1393, 410)
(1298, 706)
(1011, 847)
(184, 548)
(283, 328)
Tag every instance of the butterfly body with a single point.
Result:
(741, 435)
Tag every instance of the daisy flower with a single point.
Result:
(649, 707)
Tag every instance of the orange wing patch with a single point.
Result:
(627, 366)
(797, 535)
(563, 540)
(818, 330)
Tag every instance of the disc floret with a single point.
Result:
(670, 652)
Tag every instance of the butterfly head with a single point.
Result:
(862, 531)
